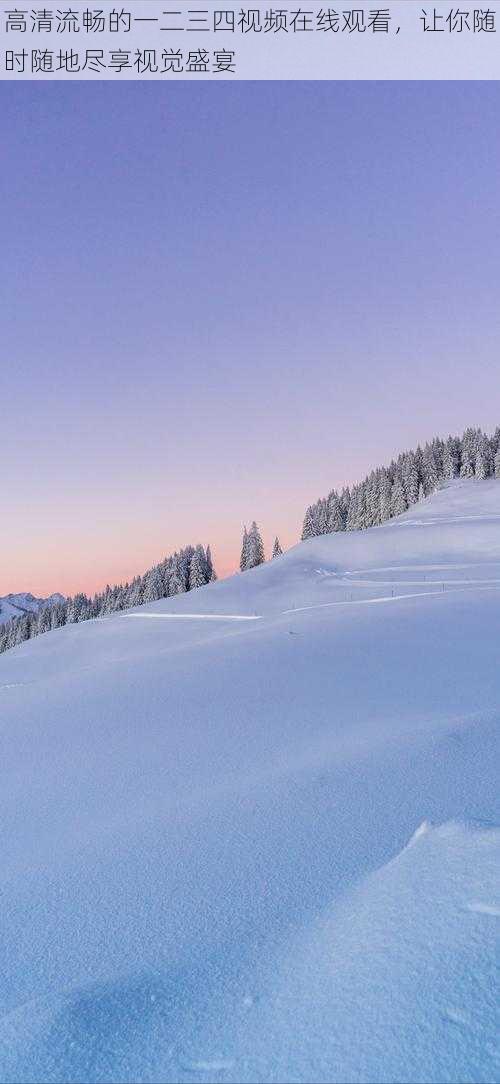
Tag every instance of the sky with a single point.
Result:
(219, 301)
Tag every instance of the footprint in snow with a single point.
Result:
(457, 1016)
(481, 908)
(212, 1065)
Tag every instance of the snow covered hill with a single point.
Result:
(16, 605)
(252, 833)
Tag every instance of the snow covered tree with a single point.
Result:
(153, 590)
(385, 493)
(469, 450)
(244, 550)
(277, 550)
(211, 573)
(44, 620)
(483, 458)
(322, 517)
(135, 594)
(345, 500)
(398, 499)
(357, 514)
(254, 547)
(176, 585)
(419, 473)
(58, 615)
(183, 560)
(197, 569)
(410, 478)
(335, 515)
(495, 443)
(373, 500)
(430, 472)
(451, 458)
(77, 609)
(170, 577)
(309, 526)
(352, 515)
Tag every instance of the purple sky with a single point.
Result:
(219, 301)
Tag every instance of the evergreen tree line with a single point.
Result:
(389, 491)
(385, 493)
(252, 548)
(190, 568)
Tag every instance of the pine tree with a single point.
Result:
(254, 548)
(410, 479)
(335, 517)
(495, 442)
(153, 590)
(345, 500)
(352, 515)
(197, 570)
(469, 450)
(430, 472)
(420, 472)
(451, 458)
(211, 574)
(398, 499)
(483, 459)
(170, 577)
(244, 551)
(176, 585)
(309, 527)
(277, 550)
(44, 620)
(322, 517)
(373, 500)
(183, 562)
(385, 491)
(357, 516)
(135, 597)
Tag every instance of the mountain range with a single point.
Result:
(14, 605)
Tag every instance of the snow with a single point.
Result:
(264, 850)
(194, 617)
(15, 605)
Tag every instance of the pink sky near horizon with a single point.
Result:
(113, 545)
(220, 301)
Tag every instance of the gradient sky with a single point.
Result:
(219, 301)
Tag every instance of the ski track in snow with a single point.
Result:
(484, 909)
(444, 521)
(247, 858)
(201, 617)
(365, 601)
(449, 567)
(420, 582)
(450, 585)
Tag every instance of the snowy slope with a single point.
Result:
(24, 602)
(252, 833)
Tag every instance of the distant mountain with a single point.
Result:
(25, 617)
(252, 832)
(23, 603)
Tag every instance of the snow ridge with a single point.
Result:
(263, 849)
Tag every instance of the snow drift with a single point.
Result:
(265, 849)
